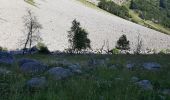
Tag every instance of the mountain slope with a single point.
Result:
(56, 16)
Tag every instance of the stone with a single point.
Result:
(75, 68)
(134, 79)
(151, 66)
(59, 73)
(16, 52)
(37, 83)
(4, 71)
(6, 58)
(25, 60)
(130, 66)
(33, 68)
(145, 84)
(119, 79)
(96, 62)
(166, 91)
(112, 66)
(34, 50)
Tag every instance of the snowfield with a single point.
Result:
(56, 17)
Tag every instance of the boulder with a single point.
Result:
(37, 83)
(75, 68)
(16, 52)
(6, 58)
(96, 62)
(151, 66)
(112, 66)
(134, 79)
(59, 73)
(166, 91)
(25, 60)
(130, 66)
(145, 84)
(33, 68)
(4, 71)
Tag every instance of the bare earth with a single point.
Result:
(56, 17)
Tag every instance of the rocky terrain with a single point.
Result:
(56, 17)
(75, 77)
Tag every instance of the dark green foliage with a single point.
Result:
(42, 48)
(78, 37)
(123, 43)
(1, 48)
(157, 11)
(113, 8)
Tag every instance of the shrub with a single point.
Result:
(115, 51)
(3, 49)
(42, 48)
(123, 43)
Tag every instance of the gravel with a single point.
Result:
(56, 17)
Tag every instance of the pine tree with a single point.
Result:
(78, 37)
(123, 43)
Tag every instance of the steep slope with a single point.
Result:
(56, 17)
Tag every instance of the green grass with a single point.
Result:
(96, 84)
(31, 2)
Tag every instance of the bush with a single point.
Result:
(42, 48)
(123, 43)
(115, 51)
(3, 49)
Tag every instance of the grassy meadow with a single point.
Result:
(95, 83)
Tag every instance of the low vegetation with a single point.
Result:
(100, 83)
(30, 2)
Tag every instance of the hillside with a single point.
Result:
(56, 17)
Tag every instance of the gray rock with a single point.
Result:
(33, 68)
(134, 79)
(130, 66)
(16, 52)
(119, 79)
(59, 73)
(6, 58)
(25, 60)
(75, 68)
(112, 66)
(37, 83)
(151, 66)
(96, 62)
(4, 71)
(162, 97)
(166, 91)
(34, 50)
(145, 84)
